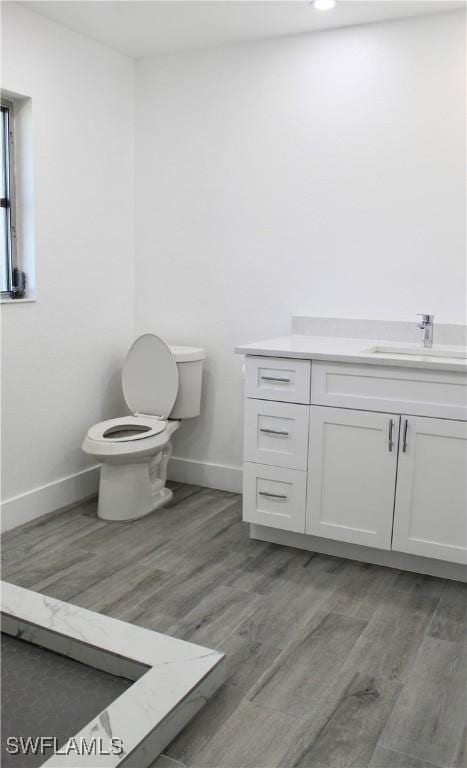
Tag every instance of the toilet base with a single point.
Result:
(161, 498)
(130, 491)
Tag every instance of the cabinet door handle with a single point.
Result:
(274, 431)
(404, 439)
(272, 495)
(276, 378)
(390, 440)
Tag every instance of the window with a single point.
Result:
(11, 278)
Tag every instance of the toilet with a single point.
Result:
(161, 385)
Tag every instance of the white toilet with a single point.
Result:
(161, 385)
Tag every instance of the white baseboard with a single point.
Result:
(73, 488)
(388, 558)
(220, 476)
(48, 498)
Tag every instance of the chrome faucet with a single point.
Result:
(426, 325)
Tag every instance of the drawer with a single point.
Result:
(276, 433)
(278, 378)
(274, 496)
(415, 391)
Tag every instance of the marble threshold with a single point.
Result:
(173, 678)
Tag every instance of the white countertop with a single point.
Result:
(358, 351)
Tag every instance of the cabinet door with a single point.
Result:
(352, 475)
(430, 516)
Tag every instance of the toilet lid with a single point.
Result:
(150, 377)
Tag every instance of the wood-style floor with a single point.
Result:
(331, 663)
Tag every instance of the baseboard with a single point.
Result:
(48, 498)
(388, 558)
(73, 488)
(220, 476)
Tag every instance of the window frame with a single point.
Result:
(7, 109)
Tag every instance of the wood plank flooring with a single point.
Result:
(331, 663)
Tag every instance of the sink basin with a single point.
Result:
(458, 353)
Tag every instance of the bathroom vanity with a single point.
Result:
(358, 449)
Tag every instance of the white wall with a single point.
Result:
(61, 355)
(321, 174)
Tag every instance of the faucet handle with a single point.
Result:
(426, 318)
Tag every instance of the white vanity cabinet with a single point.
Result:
(373, 456)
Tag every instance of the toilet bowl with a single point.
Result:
(162, 386)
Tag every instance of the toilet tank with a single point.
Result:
(190, 373)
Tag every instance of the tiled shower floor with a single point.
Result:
(46, 694)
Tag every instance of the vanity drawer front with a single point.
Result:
(274, 496)
(276, 433)
(415, 391)
(278, 378)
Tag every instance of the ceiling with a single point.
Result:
(140, 28)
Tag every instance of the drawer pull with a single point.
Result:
(274, 431)
(272, 495)
(276, 378)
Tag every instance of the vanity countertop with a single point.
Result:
(370, 351)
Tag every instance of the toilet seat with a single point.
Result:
(139, 428)
(127, 451)
(150, 387)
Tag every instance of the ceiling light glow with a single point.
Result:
(324, 5)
